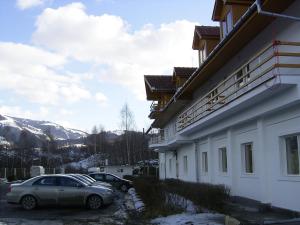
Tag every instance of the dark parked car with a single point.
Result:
(114, 180)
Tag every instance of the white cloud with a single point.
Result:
(15, 111)
(101, 98)
(34, 74)
(107, 40)
(26, 4)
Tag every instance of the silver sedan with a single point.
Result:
(58, 190)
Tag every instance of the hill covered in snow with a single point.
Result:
(11, 128)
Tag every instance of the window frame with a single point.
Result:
(284, 156)
(204, 162)
(79, 183)
(38, 182)
(170, 165)
(185, 164)
(243, 159)
(220, 153)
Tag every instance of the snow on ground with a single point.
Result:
(138, 203)
(190, 219)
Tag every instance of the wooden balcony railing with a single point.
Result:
(259, 69)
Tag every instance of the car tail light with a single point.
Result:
(9, 188)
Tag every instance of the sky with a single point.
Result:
(77, 63)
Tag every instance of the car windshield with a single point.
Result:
(88, 177)
(85, 178)
(81, 179)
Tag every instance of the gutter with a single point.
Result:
(262, 12)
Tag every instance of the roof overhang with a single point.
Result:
(199, 39)
(154, 93)
(219, 4)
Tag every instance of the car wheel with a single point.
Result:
(28, 202)
(94, 202)
(124, 188)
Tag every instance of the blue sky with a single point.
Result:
(77, 62)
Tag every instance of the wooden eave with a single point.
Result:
(198, 39)
(219, 5)
(155, 94)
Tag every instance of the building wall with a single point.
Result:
(188, 173)
(268, 183)
(162, 166)
(171, 165)
(282, 190)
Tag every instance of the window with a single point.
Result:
(46, 181)
(247, 157)
(227, 24)
(223, 160)
(204, 162)
(98, 177)
(224, 28)
(292, 155)
(68, 182)
(110, 178)
(229, 21)
(170, 165)
(185, 164)
(202, 55)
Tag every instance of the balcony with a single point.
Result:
(157, 136)
(276, 58)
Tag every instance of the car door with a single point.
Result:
(46, 190)
(71, 192)
(114, 181)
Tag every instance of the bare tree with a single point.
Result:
(94, 133)
(127, 124)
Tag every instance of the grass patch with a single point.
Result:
(154, 193)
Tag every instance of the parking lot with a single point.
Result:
(115, 213)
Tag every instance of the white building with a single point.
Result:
(235, 120)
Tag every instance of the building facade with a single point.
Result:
(235, 120)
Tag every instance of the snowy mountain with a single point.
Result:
(11, 127)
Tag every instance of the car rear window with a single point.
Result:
(46, 181)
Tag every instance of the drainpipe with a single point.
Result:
(261, 11)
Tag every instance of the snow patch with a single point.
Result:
(181, 202)
(190, 219)
(138, 203)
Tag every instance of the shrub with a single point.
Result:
(154, 193)
(209, 196)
